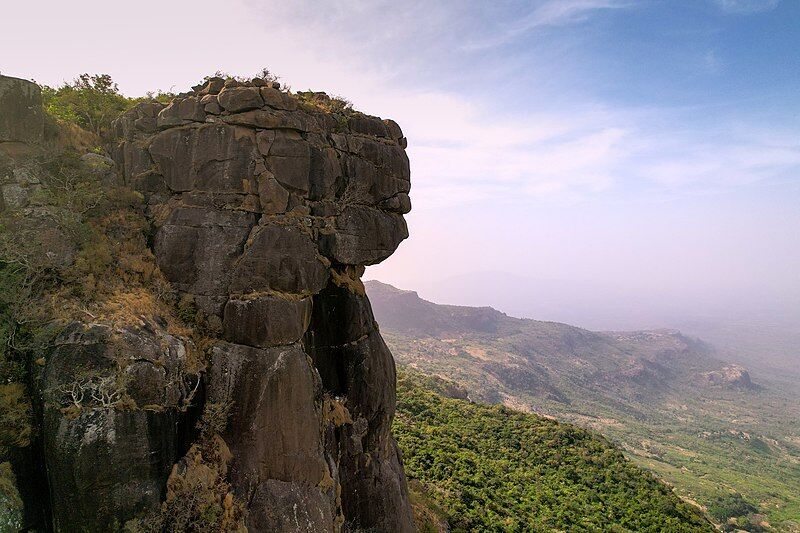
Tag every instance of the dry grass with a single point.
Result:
(334, 411)
(67, 136)
(198, 496)
(428, 518)
(348, 278)
(323, 102)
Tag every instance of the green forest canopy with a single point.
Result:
(489, 468)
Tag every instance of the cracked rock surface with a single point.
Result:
(266, 209)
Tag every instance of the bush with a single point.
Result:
(214, 419)
(730, 505)
(90, 101)
(264, 74)
(198, 498)
(329, 104)
(489, 468)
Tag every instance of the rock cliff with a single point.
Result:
(20, 111)
(262, 210)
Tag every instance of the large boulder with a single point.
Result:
(212, 158)
(280, 258)
(275, 434)
(356, 365)
(21, 115)
(265, 152)
(364, 235)
(197, 248)
(266, 321)
(117, 399)
(284, 506)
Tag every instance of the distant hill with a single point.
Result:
(703, 424)
(406, 312)
(548, 359)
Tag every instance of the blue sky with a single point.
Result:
(647, 146)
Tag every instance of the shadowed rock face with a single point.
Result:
(105, 464)
(21, 117)
(266, 210)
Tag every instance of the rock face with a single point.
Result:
(106, 464)
(266, 209)
(21, 117)
(21, 124)
(732, 376)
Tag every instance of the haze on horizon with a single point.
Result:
(609, 163)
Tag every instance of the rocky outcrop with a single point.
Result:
(21, 123)
(114, 419)
(730, 376)
(266, 209)
(274, 412)
(21, 116)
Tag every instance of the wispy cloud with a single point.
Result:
(560, 12)
(712, 166)
(547, 14)
(466, 148)
(466, 145)
(746, 6)
(710, 62)
(574, 155)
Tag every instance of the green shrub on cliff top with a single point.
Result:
(91, 101)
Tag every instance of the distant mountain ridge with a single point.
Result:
(405, 311)
(536, 354)
(665, 397)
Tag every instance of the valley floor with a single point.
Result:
(728, 442)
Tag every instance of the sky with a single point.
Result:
(611, 163)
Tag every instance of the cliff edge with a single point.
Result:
(235, 376)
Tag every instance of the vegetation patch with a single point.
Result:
(91, 102)
(337, 105)
(73, 247)
(489, 468)
(198, 498)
